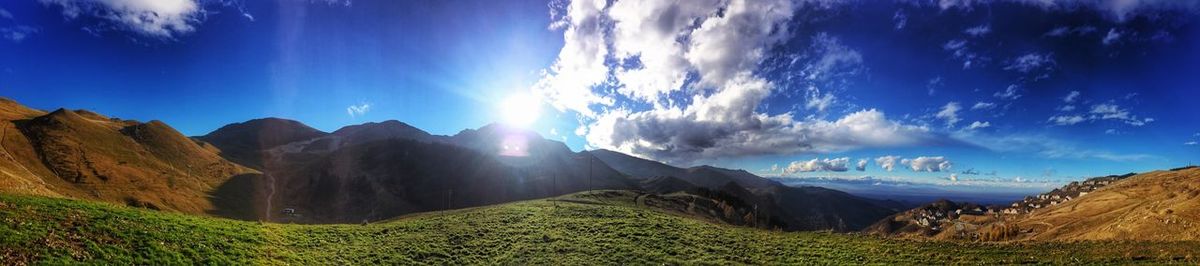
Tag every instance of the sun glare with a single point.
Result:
(520, 110)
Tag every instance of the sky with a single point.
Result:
(960, 95)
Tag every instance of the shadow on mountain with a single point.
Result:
(238, 198)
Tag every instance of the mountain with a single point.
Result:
(704, 176)
(1153, 206)
(795, 208)
(81, 154)
(283, 170)
(244, 142)
(382, 170)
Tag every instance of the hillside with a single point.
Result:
(1159, 205)
(1153, 206)
(568, 230)
(84, 155)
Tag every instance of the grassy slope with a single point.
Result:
(579, 229)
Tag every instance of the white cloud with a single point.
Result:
(4, 14)
(708, 53)
(358, 110)
(927, 164)
(580, 63)
(978, 125)
(835, 59)
(1065, 120)
(900, 19)
(714, 131)
(1108, 111)
(818, 101)
(954, 177)
(1117, 10)
(725, 46)
(1112, 37)
(1009, 93)
(818, 165)
(949, 113)
(978, 31)
(1066, 108)
(887, 162)
(1064, 31)
(862, 165)
(1071, 97)
(17, 33)
(958, 48)
(153, 18)
(1190, 143)
(983, 106)
(1031, 62)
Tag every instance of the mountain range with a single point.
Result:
(281, 170)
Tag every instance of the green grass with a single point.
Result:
(579, 230)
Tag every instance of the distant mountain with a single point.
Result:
(797, 208)
(81, 154)
(1155, 206)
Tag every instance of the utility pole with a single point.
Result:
(554, 187)
(590, 158)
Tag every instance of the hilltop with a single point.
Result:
(596, 227)
(1152, 206)
(85, 155)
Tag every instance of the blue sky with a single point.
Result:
(1005, 95)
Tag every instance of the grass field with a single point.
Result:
(574, 229)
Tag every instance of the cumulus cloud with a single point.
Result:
(358, 110)
(152, 18)
(687, 75)
(927, 164)
(862, 165)
(887, 162)
(818, 165)
(954, 177)
(949, 113)
(711, 132)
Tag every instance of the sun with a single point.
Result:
(520, 110)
